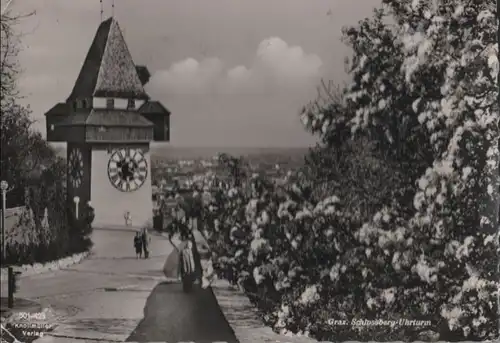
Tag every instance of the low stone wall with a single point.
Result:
(12, 217)
(38, 268)
(13, 211)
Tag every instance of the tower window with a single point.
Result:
(81, 103)
(131, 104)
(110, 103)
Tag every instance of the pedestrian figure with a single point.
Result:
(88, 218)
(138, 244)
(145, 242)
(187, 266)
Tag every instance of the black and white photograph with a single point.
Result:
(248, 171)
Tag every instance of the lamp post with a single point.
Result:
(498, 126)
(3, 187)
(128, 218)
(76, 200)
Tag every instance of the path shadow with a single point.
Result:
(172, 315)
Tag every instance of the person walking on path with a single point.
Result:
(88, 218)
(138, 244)
(187, 266)
(145, 242)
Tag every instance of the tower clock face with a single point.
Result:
(127, 169)
(75, 165)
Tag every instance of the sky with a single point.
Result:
(234, 73)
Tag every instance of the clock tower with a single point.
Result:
(108, 122)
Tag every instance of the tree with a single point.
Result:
(8, 64)
(424, 90)
(32, 168)
(24, 153)
(235, 167)
(392, 216)
(420, 114)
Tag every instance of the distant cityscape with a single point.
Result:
(172, 175)
(178, 169)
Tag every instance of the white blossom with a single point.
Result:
(310, 295)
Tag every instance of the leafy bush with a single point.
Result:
(47, 229)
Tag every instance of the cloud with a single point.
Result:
(276, 67)
(190, 75)
(276, 56)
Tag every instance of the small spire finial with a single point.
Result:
(113, 8)
(102, 11)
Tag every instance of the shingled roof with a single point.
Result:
(144, 74)
(117, 118)
(75, 119)
(58, 109)
(108, 69)
(107, 118)
(153, 107)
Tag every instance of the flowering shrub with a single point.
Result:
(397, 218)
(303, 263)
(426, 93)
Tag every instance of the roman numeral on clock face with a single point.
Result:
(115, 179)
(127, 169)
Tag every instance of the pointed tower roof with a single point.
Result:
(108, 69)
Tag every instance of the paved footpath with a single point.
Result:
(112, 295)
(174, 316)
